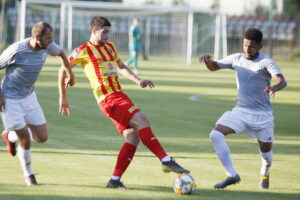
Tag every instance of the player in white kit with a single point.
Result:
(253, 110)
(21, 113)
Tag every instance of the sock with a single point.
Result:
(12, 136)
(124, 158)
(223, 152)
(115, 178)
(25, 160)
(151, 142)
(266, 161)
(166, 159)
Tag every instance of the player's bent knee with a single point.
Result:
(216, 136)
(42, 138)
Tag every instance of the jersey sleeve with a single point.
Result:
(53, 49)
(226, 62)
(7, 57)
(273, 68)
(75, 58)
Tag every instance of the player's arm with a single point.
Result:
(125, 71)
(69, 79)
(62, 88)
(210, 64)
(2, 102)
(280, 83)
(6, 59)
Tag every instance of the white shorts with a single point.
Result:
(257, 125)
(20, 112)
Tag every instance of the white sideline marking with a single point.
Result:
(197, 97)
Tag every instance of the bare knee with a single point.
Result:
(139, 121)
(41, 138)
(131, 136)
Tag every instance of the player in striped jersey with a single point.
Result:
(101, 64)
(21, 113)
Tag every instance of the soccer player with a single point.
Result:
(100, 62)
(134, 36)
(22, 115)
(253, 111)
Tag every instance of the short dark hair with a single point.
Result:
(40, 28)
(99, 22)
(254, 34)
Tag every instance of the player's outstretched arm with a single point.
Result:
(69, 79)
(210, 64)
(62, 87)
(280, 83)
(125, 71)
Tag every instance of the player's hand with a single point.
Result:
(145, 83)
(70, 80)
(64, 106)
(269, 90)
(2, 103)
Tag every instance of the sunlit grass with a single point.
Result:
(79, 157)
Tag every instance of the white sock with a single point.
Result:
(166, 159)
(115, 178)
(12, 136)
(223, 152)
(266, 162)
(25, 160)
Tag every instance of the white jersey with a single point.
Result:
(253, 76)
(23, 66)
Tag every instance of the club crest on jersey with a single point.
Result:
(110, 66)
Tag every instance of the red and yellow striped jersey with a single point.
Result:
(99, 63)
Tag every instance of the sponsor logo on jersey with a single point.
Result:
(110, 73)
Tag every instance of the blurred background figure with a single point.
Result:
(134, 35)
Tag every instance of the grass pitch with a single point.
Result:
(79, 157)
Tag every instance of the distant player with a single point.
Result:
(101, 64)
(22, 115)
(134, 36)
(253, 111)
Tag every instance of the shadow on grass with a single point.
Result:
(129, 194)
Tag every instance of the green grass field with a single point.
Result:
(79, 156)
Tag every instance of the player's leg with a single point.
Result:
(9, 137)
(135, 64)
(266, 161)
(124, 158)
(217, 137)
(230, 122)
(24, 154)
(36, 129)
(38, 133)
(261, 128)
(141, 123)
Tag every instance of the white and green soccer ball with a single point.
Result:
(184, 184)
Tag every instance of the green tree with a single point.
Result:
(291, 8)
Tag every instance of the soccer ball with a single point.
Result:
(184, 184)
